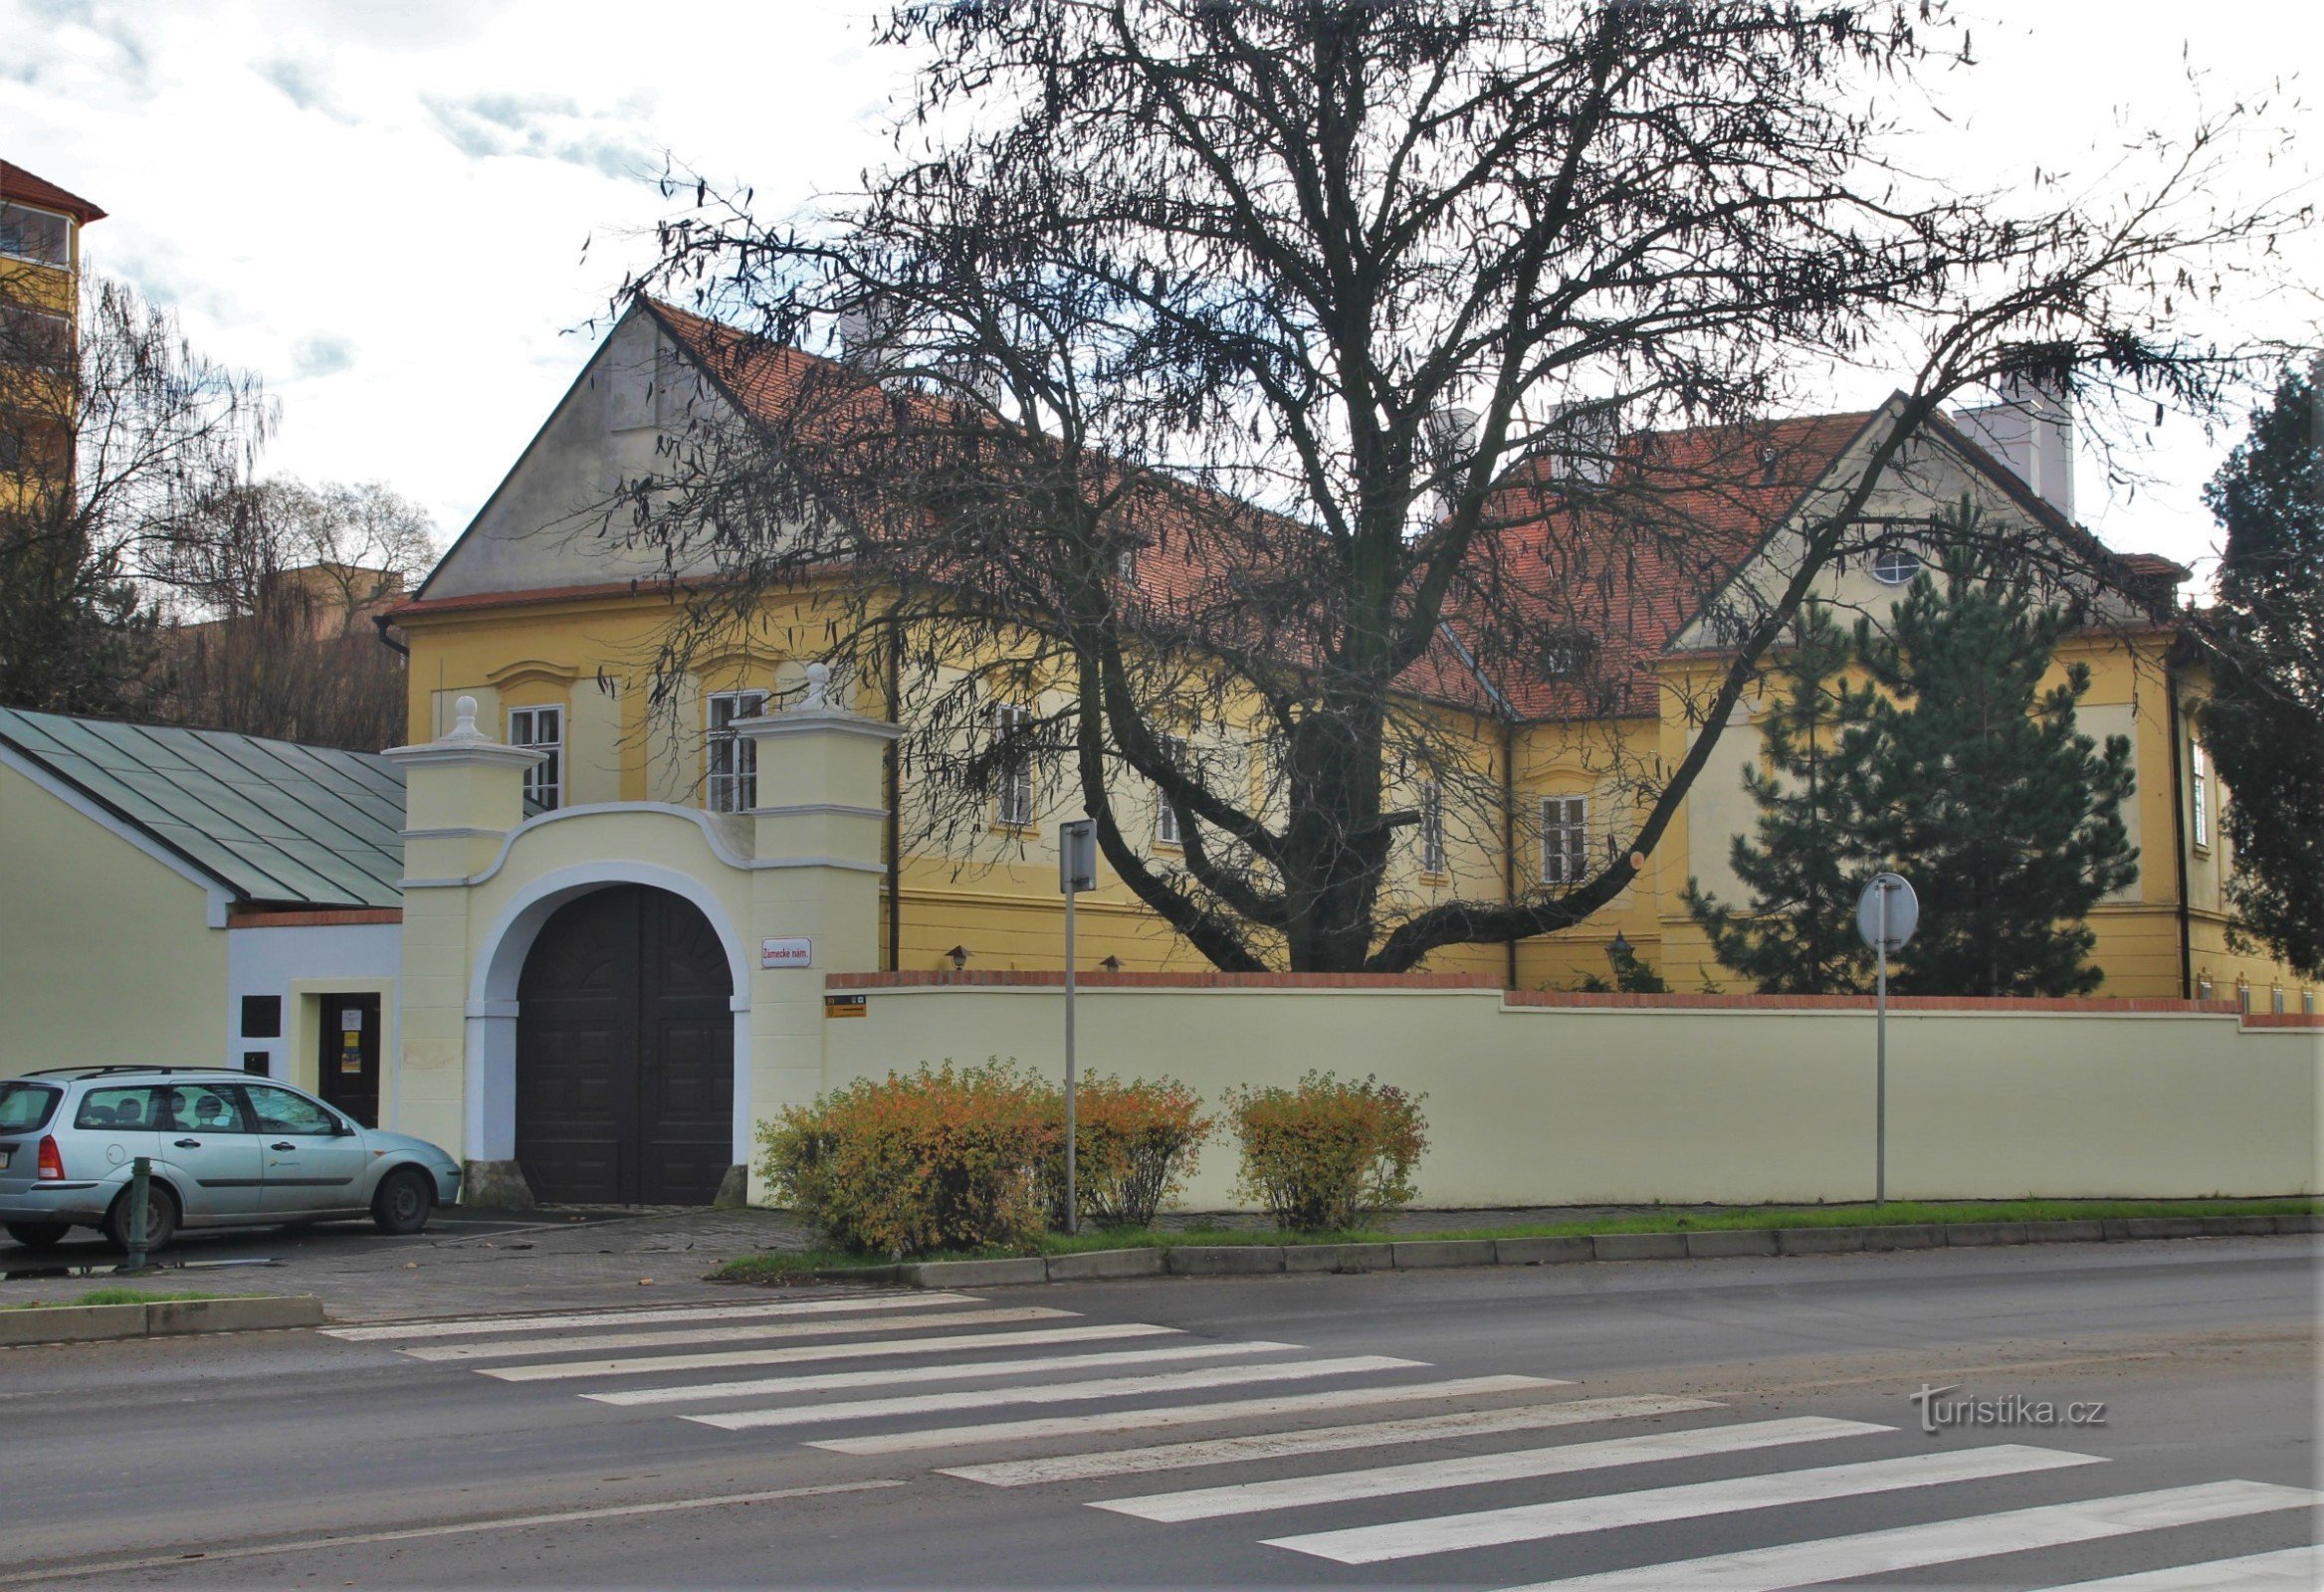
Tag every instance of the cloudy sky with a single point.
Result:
(402, 213)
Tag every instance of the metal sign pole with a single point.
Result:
(1072, 1204)
(1077, 870)
(1880, 1064)
(1886, 914)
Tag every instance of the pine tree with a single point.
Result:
(2265, 726)
(1977, 788)
(1804, 865)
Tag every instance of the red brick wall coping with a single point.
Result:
(2285, 1020)
(1863, 1003)
(1053, 979)
(320, 917)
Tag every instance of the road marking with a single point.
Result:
(398, 1331)
(1055, 1392)
(2300, 1567)
(506, 1522)
(730, 1335)
(1320, 1440)
(1908, 1547)
(566, 1370)
(1478, 1469)
(1530, 1522)
(958, 1372)
(1109, 1421)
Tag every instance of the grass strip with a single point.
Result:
(805, 1264)
(122, 1295)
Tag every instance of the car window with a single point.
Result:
(128, 1109)
(279, 1110)
(198, 1108)
(25, 1107)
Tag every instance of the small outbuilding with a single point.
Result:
(198, 898)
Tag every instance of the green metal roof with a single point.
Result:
(275, 822)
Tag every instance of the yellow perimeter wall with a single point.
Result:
(1585, 1104)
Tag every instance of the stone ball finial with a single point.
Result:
(818, 686)
(464, 720)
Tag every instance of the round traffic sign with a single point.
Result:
(1890, 930)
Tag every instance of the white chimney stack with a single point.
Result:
(2031, 430)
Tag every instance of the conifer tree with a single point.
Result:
(1806, 864)
(1978, 787)
(2265, 726)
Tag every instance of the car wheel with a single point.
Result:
(160, 1218)
(38, 1235)
(406, 1197)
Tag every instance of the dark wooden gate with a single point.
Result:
(625, 1052)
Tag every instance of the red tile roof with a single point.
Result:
(21, 185)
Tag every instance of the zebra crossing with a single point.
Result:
(959, 1384)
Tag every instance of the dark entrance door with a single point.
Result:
(348, 1062)
(625, 1052)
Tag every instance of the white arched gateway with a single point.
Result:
(589, 990)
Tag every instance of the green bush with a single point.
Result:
(1135, 1144)
(943, 1158)
(1329, 1154)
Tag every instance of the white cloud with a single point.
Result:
(399, 194)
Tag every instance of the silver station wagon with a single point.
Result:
(227, 1151)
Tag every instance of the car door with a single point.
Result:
(311, 1167)
(202, 1136)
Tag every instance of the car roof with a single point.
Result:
(120, 1073)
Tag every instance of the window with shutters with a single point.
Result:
(1564, 839)
(1014, 805)
(542, 729)
(733, 759)
(1431, 829)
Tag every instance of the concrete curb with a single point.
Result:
(93, 1324)
(1412, 1254)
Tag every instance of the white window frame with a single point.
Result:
(1431, 828)
(1896, 566)
(2198, 794)
(544, 781)
(730, 761)
(1564, 839)
(68, 224)
(1012, 779)
(1166, 817)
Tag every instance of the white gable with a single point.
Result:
(545, 527)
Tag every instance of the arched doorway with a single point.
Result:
(625, 1052)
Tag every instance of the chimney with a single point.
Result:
(2031, 430)
(1580, 440)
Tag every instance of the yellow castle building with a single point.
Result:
(553, 629)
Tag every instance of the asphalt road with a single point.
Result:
(1679, 1413)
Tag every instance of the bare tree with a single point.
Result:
(1287, 382)
(277, 585)
(113, 436)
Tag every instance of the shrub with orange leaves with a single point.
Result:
(945, 1158)
(1135, 1143)
(1330, 1153)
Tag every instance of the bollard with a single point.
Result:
(140, 1202)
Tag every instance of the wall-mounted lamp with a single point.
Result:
(1618, 950)
(960, 956)
(1112, 964)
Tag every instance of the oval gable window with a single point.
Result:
(1895, 566)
